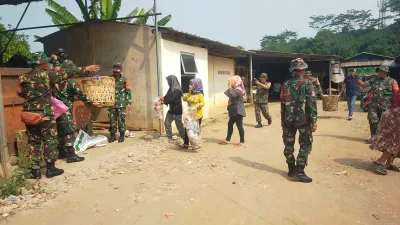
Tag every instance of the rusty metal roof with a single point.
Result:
(370, 54)
(293, 55)
(360, 64)
(215, 48)
(16, 2)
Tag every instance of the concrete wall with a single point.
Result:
(219, 70)
(109, 42)
(171, 65)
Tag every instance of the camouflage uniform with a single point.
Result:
(117, 114)
(66, 91)
(34, 87)
(382, 95)
(314, 81)
(261, 102)
(298, 112)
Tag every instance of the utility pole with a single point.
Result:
(157, 60)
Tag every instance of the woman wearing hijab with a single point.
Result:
(173, 99)
(195, 98)
(237, 95)
(388, 138)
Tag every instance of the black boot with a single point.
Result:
(112, 139)
(52, 171)
(121, 138)
(62, 153)
(269, 121)
(259, 125)
(291, 167)
(35, 171)
(301, 175)
(72, 157)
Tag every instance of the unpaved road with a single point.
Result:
(140, 182)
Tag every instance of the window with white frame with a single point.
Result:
(188, 70)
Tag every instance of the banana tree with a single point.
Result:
(98, 9)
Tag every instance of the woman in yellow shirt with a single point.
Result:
(195, 98)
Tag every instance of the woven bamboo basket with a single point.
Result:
(330, 102)
(101, 91)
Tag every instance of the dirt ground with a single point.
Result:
(142, 181)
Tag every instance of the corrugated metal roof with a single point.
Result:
(293, 54)
(358, 64)
(16, 2)
(367, 53)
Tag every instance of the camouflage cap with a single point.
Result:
(265, 75)
(384, 68)
(298, 64)
(68, 65)
(117, 67)
(308, 73)
(38, 58)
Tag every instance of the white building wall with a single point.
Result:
(219, 70)
(171, 65)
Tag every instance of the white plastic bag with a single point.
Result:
(338, 78)
(192, 127)
(157, 109)
(84, 141)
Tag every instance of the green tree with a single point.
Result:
(241, 47)
(278, 42)
(98, 9)
(18, 45)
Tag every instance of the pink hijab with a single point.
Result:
(237, 83)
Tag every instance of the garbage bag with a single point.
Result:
(338, 78)
(157, 109)
(192, 128)
(84, 141)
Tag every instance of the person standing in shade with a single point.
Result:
(173, 99)
(383, 88)
(123, 101)
(195, 98)
(261, 100)
(314, 80)
(351, 86)
(237, 95)
(298, 113)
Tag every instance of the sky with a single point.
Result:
(234, 22)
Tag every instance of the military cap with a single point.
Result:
(308, 73)
(38, 58)
(298, 64)
(68, 64)
(384, 68)
(117, 67)
(265, 75)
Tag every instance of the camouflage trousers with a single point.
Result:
(374, 116)
(117, 116)
(66, 130)
(262, 108)
(305, 142)
(45, 132)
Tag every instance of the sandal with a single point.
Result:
(224, 142)
(194, 148)
(183, 146)
(380, 168)
(393, 168)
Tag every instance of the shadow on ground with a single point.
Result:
(331, 117)
(343, 137)
(358, 164)
(258, 166)
(212, 140)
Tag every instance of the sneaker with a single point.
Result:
(350, 118)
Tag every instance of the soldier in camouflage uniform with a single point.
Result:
(123, 99)
(298, 113)
(314, 80)
(34, 87)
(383, 88)
(66, 91)
(261, 100)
